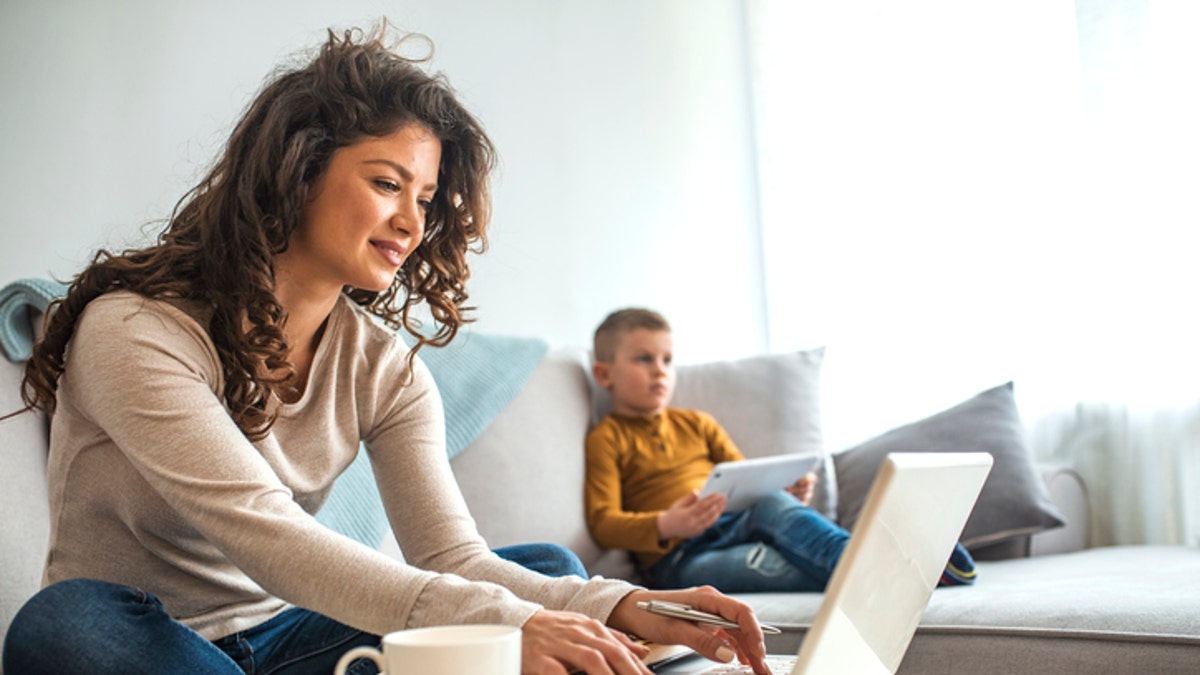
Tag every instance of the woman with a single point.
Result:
(207, 390)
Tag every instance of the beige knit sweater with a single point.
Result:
(152, 485)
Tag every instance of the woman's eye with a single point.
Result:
(425, 204)
(387, 185)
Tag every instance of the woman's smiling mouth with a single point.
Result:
(391, 251)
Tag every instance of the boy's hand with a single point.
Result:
(802, 489)
(689, 516)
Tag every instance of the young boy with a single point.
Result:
(646, 463)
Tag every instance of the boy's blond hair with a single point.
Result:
(620, 322)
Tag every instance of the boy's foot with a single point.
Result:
(960, 571)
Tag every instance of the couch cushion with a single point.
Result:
(1013, 502)
(534, 447)
(25, 526)
(767, 404)
(1128, 609)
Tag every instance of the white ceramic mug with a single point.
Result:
(444, 650)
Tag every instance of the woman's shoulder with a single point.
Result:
(375, 358)
(363, 337)
(365, 330)
(123, 327)
(124, 311)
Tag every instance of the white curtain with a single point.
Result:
(957, 193)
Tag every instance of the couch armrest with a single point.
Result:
(1069, 493)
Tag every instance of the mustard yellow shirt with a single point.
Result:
(638, 466)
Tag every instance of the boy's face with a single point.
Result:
(640, 377)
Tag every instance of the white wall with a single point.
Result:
(623, 129)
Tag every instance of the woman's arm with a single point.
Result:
(145, 373)
(430, 517)
(432, 524)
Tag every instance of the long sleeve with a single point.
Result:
(436, 532)
(720, 445)
(611, 523)
(154, 486)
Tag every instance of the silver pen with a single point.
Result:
(685, 612)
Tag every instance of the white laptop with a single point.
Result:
(909, 524)
(746, 481)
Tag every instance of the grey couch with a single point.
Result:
(1050, 606)
(1047, 605)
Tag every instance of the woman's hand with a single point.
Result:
(558, 643)
(719, 644)
(690, 516)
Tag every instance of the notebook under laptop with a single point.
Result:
(911, 519)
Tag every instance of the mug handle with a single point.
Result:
(359, 653)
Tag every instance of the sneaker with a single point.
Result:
(960, 571)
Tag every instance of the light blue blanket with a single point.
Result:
(18, 301)
(477, 376)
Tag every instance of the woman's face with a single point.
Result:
(366, 214)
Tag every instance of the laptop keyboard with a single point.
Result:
(779, 665)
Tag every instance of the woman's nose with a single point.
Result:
(410, 219)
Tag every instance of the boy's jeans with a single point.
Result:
(778, 544)
(88, 626)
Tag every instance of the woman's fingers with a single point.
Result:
(573, 641)
(746, 642)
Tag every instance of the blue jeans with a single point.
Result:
(88, 626)
(779, 544)
(550, 560)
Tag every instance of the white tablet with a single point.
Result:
(744, 483)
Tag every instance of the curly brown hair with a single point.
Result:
(219, 244)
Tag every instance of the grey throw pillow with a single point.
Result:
(1014, 501)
